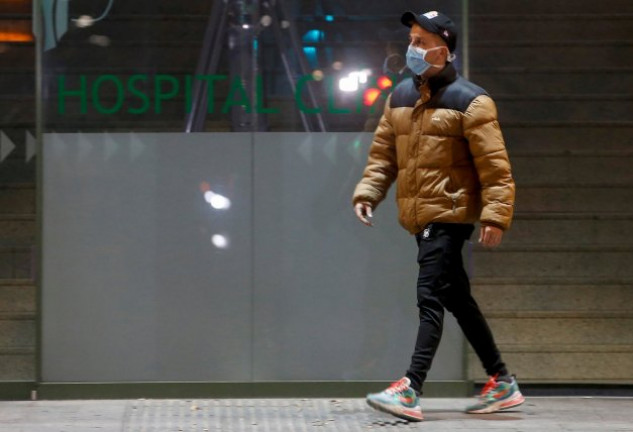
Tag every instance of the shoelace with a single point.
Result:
(397, 387)
(490, 385)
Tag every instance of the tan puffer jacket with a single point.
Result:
(441, 141)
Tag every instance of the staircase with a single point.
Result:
(17, 201)
(17, 288)
(558, 292)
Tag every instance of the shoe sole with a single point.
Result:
(400, 413)
(513, 402)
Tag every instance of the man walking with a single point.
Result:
(440, 140)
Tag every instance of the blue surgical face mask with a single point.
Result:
(416, 61)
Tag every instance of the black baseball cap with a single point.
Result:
(435, 22)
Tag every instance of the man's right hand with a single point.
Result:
(363, 212)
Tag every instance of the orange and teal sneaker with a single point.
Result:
(399, 399)
(497, 395)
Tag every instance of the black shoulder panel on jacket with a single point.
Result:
(456, 95)
(405, 94)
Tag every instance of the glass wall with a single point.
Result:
(234, 254)
(232, 65)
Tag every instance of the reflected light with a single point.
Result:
(317, 75)
(384, 82)
(100, 40)
(351, 82)
(266, 20)
(204, 187)
(348, 84)
(220, 241)
(370, 96)
(217, 201)
(84, 21)
(15, 37)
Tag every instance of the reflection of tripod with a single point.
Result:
(241, 21)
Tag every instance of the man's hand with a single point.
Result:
(490, 236)
(363, 212)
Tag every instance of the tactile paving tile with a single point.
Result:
(267, 415)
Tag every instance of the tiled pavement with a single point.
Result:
(272, 415)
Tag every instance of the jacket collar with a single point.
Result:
(439, 81)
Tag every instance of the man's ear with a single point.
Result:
(447, 54)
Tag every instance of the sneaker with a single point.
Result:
(399, 399)
(497, 396)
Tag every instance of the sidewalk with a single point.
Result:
(272, 415)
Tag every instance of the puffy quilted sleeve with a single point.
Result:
(488, 150)
(381, 169)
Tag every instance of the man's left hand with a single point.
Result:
(490, 236)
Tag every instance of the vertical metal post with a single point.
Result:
(39, 181)
(281, 46)
(295, 42)
(466, 74)
(209, 57)
(255, 112)
(465, 40)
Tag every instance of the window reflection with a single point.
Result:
(217, 201)
(220, 241)
(276, 66)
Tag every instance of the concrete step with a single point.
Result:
(534, 139)
(552, 262)
(547, 7)
(550, 365)
(17, 170)
(578, 170)
(590, 199)
(21, 55)
(551, 27)
(18, 111)
(17, 229)
(551, 297)
(17, 364)
(557, 329)
(16, 262)
(559, 108)
(13, 83)
(573, 54)
(570, 230)
(17, 297)
(531, 80)
(17, 198)
(16, 332)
